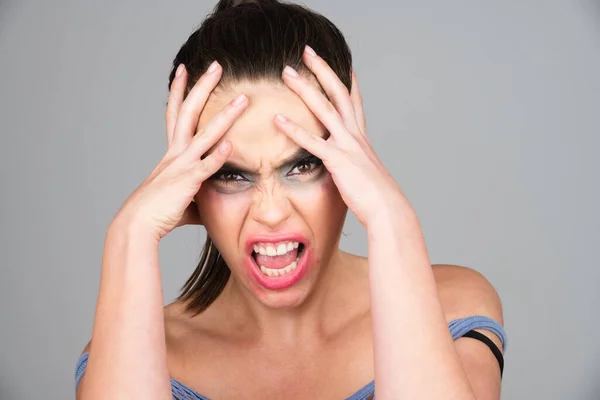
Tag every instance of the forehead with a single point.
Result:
(255, 138)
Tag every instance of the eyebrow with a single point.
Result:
(232, 166)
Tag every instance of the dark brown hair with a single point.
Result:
(252, 40)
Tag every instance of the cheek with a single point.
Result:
(335, 208)
(222, 214)
(321, 204)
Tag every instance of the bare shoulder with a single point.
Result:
(464, 292)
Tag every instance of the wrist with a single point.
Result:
(124, 230)
(128, 248)
(391, 213)
(398, 234)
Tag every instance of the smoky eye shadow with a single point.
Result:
(301, 155)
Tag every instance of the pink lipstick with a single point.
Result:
(276, 253)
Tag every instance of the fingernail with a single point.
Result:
(281, 118)
(179, 70)
(213, 67)
(309, 50)
(239, 100)
(290, 71)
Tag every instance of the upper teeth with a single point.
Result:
(275, 249)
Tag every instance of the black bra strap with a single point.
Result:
(481, 337)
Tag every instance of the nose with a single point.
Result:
(271, 207)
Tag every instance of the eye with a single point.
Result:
(228, 177)
(306, 166)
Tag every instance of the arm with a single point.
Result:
(128, 357)
(415, 356)
(128, 352)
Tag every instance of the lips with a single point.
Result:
(274, 262)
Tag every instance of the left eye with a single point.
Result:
(307, 166)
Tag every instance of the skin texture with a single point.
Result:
(272, 200)
(350, 319)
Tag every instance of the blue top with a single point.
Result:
(457, 327)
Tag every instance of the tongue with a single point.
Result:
(276, 262)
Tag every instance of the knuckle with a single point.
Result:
(200, 134)
(358, 97)
(220, 116)
(171, 154)
(203, 168)
(200, 139)
(294, 129)
(186, 106)
(330, 108)
(170, 111)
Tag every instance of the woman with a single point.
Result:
(269, 159)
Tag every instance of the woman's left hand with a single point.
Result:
(364, 184)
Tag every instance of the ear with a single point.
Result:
(197, 216)
(190, 216)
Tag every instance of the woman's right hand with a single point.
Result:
(165, 199)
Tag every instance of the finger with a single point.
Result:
(312, 143)
(190, 110)
(318, 104)
(190, 216)
(209, 135)
(357, 103)
(333, 87)
(176, 93)
(206, 167)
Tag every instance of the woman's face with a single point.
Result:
(273, 210)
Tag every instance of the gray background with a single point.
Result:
(487, 115)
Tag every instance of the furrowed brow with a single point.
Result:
(234, 167)
(294, 158)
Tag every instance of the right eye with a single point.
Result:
(228, 178)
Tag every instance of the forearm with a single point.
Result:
(415, 356)
(128, 351)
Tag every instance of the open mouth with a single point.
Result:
(277, 259)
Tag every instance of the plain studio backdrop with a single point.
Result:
(486, 113)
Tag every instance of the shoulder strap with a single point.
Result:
(80, 368)
(465, 327)
(459, 327)
(482, 338)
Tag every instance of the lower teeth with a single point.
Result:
(281, 271)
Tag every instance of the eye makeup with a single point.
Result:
(301, 167)
(306, 169)
(229, 180)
